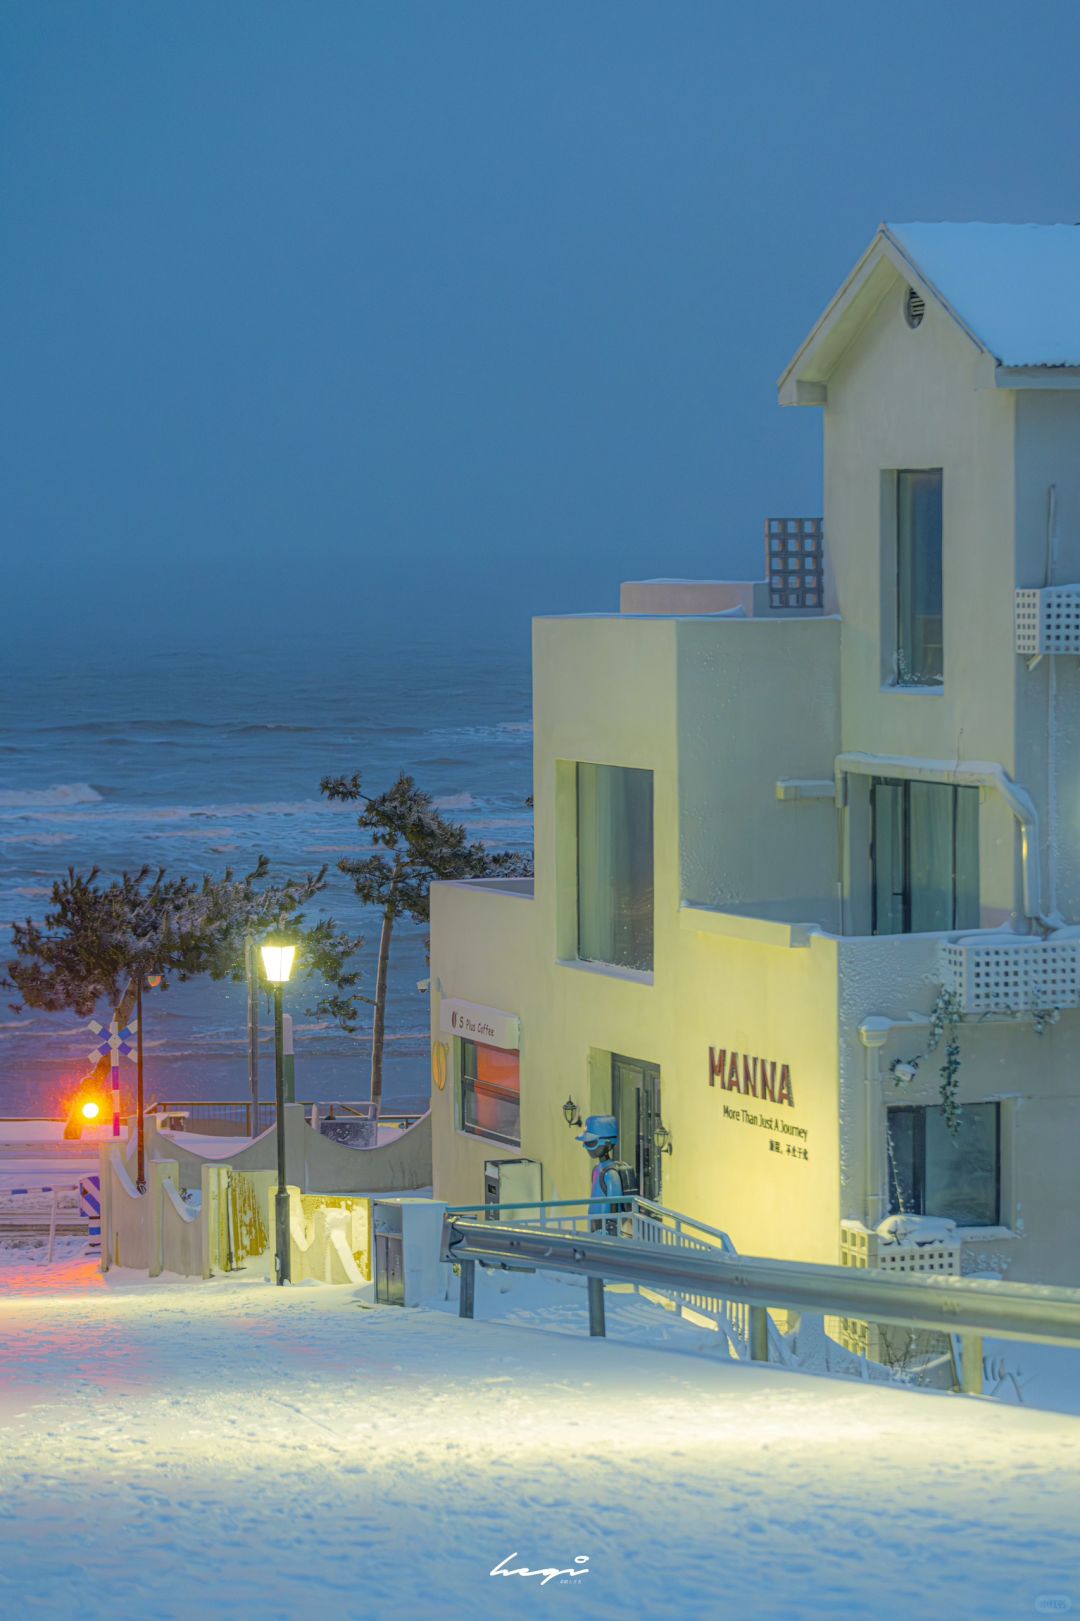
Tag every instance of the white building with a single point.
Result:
(780, 826)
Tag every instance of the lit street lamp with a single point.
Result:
(277, 965)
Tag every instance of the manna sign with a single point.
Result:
(752, 1077)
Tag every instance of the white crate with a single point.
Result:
(1048, 620)
(1013, 976)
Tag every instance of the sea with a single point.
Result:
(200, 755)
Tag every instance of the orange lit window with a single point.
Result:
(491, 1091)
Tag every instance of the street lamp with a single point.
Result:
(277, 965)
(153, 980)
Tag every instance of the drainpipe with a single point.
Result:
(873, 1033)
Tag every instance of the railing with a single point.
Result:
(641, 1221)
(967, 1307)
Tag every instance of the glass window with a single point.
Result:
(615, 865)
(919, 647)
(924, 856)
(491, 1091)
(936, 1172)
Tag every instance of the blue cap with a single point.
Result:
(600, 1128)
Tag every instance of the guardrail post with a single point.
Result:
(597, 1323)
(467, 1294)
(759, 1334)
(971, 1364)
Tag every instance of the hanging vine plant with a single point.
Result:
(945, 1017)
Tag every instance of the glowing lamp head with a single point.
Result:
(90, 1110)
(277, 961)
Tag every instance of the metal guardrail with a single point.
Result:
(968, 1307)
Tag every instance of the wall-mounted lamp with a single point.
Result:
(570, 1113)
(662, 1139)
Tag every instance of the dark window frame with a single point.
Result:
(910, 564)
(467, 1085)
(918, 1113)
(647, 964)
(905, 895)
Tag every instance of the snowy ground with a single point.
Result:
(180, 1449)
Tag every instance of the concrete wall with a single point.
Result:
(758, 700)
(903, 398)
(322, 1165)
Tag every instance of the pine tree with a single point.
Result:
(417, 846)
(97, 939)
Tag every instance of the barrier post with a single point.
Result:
(759, 1334)
(597, 1322)
(90, 1209)
(467, 1296)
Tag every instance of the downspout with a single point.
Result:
(976, 774)
(873, 1033)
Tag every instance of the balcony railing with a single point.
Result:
(995, 974)
(1048, 620)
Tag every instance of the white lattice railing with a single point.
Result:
(1018, 975)
(1048, 620)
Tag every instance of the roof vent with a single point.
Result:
(914, 307)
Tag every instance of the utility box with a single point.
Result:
(510, 1182)
(408, 1239)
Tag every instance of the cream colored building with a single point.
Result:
(779, 824)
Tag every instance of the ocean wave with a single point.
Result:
(456, 802)
(62, 793)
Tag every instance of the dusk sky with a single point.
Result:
(344, 311)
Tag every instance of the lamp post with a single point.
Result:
(153, 980)
(277, 965)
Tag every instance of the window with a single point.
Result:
(615, 865)
(919, 645)
(933, 1172)
(924, 856)
(491, 1091)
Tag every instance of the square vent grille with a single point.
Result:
(1048, 621)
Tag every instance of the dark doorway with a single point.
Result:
(635, 1103)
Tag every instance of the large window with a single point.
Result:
(934, 1172)
(491, 1091)
(924, 856)
(615, 865)
(919, 645)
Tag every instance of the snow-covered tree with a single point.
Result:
(416, 847)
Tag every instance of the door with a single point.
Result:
(635, 1103)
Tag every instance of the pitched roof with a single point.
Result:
(1014, 290)
(1016, 287)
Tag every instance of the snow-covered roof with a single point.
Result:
(1014, 290)
(1016, 287)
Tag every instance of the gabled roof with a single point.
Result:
(1013, 290)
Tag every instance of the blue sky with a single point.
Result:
(456, 312)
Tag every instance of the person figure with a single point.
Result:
(613, 1180)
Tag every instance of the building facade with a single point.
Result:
(808, 849)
